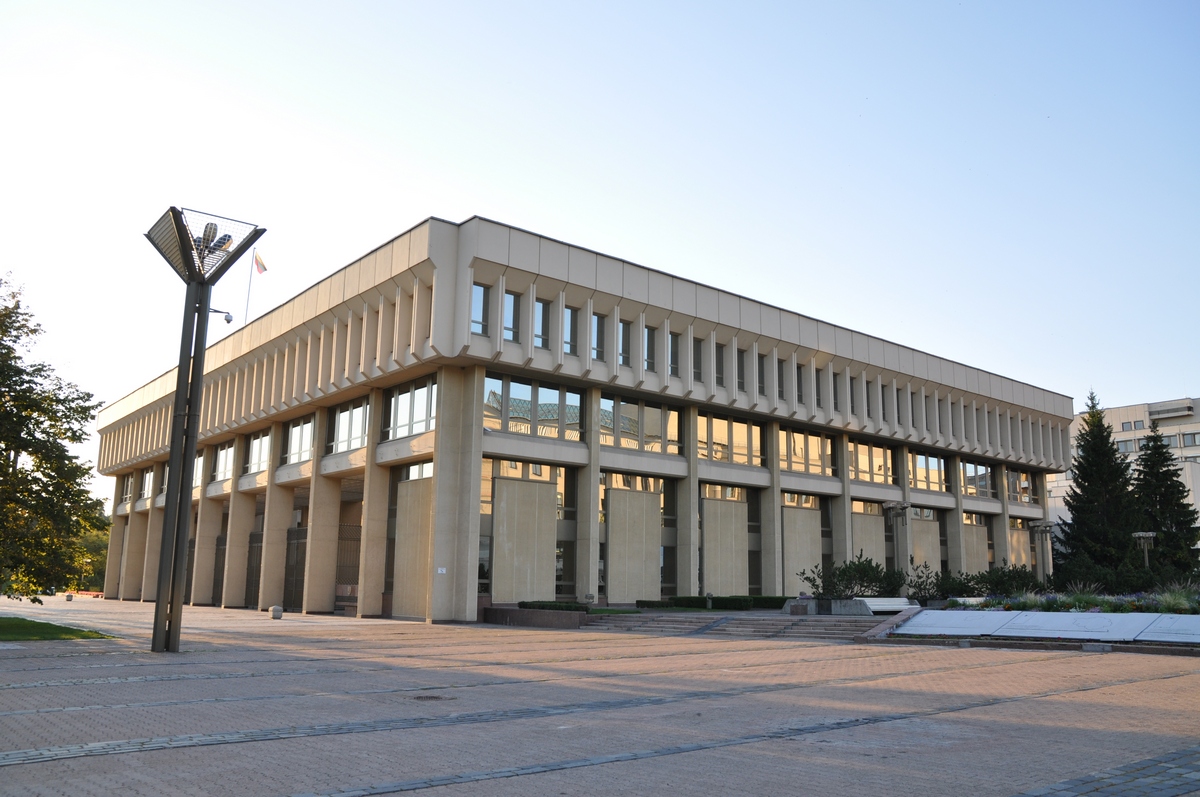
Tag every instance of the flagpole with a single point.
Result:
(249, 282)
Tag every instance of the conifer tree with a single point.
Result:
(1100, 500)
(1162, 502)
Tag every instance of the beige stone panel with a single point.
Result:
(726, 548)
(413, 570)
(801, 546)
(237, 548)
(927, 545)
(524, 520)
(320, 565)
(1018, 546)
(633, 547)
(133, 559)
(866, 532)
(208, 528)
(974, 549)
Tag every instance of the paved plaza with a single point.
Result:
(335, 706)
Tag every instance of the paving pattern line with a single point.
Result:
(418, 784)
(509, 682)
(206, 676)
(1174, 773)
(119, 747)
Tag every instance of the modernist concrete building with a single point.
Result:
(475, 414)
(1180, 427)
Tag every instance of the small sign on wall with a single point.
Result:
(441, 571)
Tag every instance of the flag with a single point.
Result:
(258, 263)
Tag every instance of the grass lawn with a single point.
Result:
(18, 629)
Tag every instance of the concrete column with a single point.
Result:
(955, 548)
(154, 523)
(237, 534)
(116, 544)
(277, 518)
(324, 515)
(458, 454)
(839, 514)
(1001, 539)
(587, 515)
(209, 514)
(133, 559)
(373, 548)
(1045, 544)
(687, 546)
(771, 514)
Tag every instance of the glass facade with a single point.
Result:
(804, 452)
(521, 406)
(727, 440)
(410, 409)
(640, 425)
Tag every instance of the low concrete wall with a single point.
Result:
(534, 618)
(802, 606)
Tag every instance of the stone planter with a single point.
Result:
(810, 606)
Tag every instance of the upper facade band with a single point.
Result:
(483, 292)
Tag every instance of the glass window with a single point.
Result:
(741, 370)
(974, 519)
(926, 472)
(870, 463)
(598, 337)
(854, 395)
(673, 353)
(719, 365)
(1126, 446)
(412, 409)
(258, 452)
(520, 406)
(697, 359)
(348, 426)
(837, 398)
(197, 474)
(570, 330)
(299, 441)
(820, 387)
(607, 417)
(480, 301)
(1126, 426)
(779, 379)
(630, 429)
(223, 462)
(493, 402)
(572, 419)
(625, 344)
(512, 316)
(866, 508)
(726, 440)
(147, 483)
(548, 420)
(762, 374)
(801, 500)
(799, 384)
(978, 480)
(1022, 487)
(1191, 439)
(719, 444)
(1139, 424)
(541, 323)
(649, 344)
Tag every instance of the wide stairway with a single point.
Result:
(737, 625)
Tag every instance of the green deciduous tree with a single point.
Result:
(1103, 511)
(45, 507)
(1162, 502)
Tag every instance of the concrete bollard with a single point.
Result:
(276, 612)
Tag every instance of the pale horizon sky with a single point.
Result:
(1010, 185)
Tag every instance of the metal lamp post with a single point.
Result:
(199, 260)
(1145, 541)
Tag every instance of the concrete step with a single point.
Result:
(734, 625)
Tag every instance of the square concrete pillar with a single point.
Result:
(116, 544)
(771, 517)
(237, 535)
(687, 496)
(373, 548)
(277, 519)
(1001, 538)
(133, 558)
(956, 544)
(458, 456)
(209, 513)
(839, 514)
(324, 516)
(587, 522)
(154, 524)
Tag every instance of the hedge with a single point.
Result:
(553, 606)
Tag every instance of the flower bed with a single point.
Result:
(1178, 601)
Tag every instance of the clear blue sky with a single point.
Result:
(1012, 185)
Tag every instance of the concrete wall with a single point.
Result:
(801, 546)
(133, 561)
(866, 534)
(726, 544)
(975, 550)
(926, 541)
(633, 548)
(524, 521)
(414, 526)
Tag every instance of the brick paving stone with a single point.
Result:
(337, 706)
